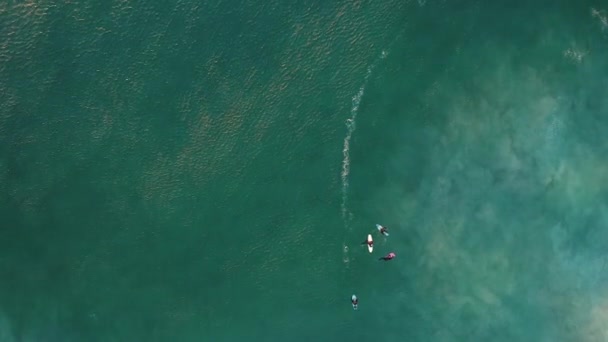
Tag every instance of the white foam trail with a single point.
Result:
(601, 16)
(350, 129)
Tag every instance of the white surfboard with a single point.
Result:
(379, 228)
(352, 300)
(370, 247)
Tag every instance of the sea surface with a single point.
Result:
(207, 170)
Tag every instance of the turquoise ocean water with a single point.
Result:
(207, 170)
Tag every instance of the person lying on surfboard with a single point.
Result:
(369, 243)
(388, 257)
(355, 301)
(382, 230)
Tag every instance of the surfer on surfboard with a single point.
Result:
(383, 230)
(369, 242)
(388, 257)
(355, 302)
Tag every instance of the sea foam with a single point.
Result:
(351, 125)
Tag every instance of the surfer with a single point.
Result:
(388, 257)
(383, 230)
(355, 301)
(369, 243)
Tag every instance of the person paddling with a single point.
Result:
(355, 302)
(369, 243)
(388, 257)
(383, 230)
